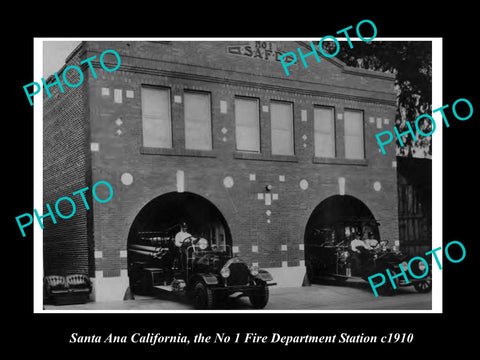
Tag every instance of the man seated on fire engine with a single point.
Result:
(357, 244)
(371, 241)
(180, 237)
(360, 251)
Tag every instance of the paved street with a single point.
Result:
(354, 295)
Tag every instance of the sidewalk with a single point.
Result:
(354, 296)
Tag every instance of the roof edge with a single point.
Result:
(351, 69)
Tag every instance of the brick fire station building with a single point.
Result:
(215, 134)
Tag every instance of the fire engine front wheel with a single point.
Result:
(423, 286)
(202, 296)
(259, 298)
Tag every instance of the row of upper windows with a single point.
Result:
(157, 125)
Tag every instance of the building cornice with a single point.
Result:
(353, 70)
(259, 85)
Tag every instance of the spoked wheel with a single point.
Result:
(423, 286)
(259, 298)
(202, 296)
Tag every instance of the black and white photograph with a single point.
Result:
(225, 184)
(259, 185)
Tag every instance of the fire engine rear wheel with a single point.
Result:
(423, 286)
(202, 296)
(259, 298)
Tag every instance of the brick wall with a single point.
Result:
(117, 129)
(66, 169)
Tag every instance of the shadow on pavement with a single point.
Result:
(229, 303)
(357, 283)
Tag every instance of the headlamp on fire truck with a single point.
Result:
(421, 266)
(202, 243)
(225, 272)
(254, 270)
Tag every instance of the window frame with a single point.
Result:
(345, 110)
(169, 92)
(334, 133)
(209, 94)
(257, 100)
(275, 101)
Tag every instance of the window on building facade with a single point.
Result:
(247, 129)
(156, 118)
(281, 115)
(354, 137)
(324, 131)
(198, 121)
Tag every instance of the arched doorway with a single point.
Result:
(165, 213)
(154, 228)
(331, 227)
(337, 218)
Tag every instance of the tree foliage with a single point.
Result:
(411, 62)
